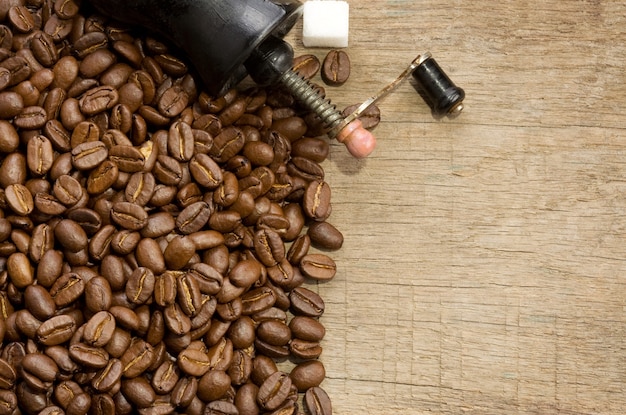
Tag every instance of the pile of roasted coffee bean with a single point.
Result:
(154, 240)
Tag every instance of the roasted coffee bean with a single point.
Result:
(138, 391)
(107, 377)
(39, 155)
(19, 199)
(370, 118)
(307, 66)
(316, 200)
(129, 216)
(305, 350)
(39, 302)
(306, 302)
(98, 99)
(99, 329)
(317, 401)
(137, 358)
(128, 159)
(31, 118)
(274, 391)
(274, 332)
(70, 235)
(67, 288)
(140, 285)
(205, 171)
(336, 68)
(193, 218)
(89, 155)
(318, 267)
(308, 374)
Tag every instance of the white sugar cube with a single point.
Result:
(325, 24)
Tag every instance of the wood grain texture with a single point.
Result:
(483, 264)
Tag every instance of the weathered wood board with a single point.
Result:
(483, 264)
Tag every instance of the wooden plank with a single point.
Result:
(483, 264)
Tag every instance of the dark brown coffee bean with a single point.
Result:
(56, 330)
(316, 200)
(169, 172)
(8, 376)
(19, 68)
(138, 391)
(274, 332)
(159, 224)
(121, 118)
(102, 177)
(305, 350)
(39, 155)
(19, 199)
(129, 215)
(194, 362)
(227, 143)
(11, 104)
(99, 329)
(308, 375)
(180, 142)
(178, 252)
(67, 288)
(318, 267)
(307, 66)
(70, 235)
(9, 139)
(269, 247)
(317, 401)
(44, 49)
(140, 285)
(137, 358)
(31, 118)
(125, 241)
(336, 68)
(209, 279)
(67, 190)
(173, 101)
(370, 118)
(171, 65)
(257, 300)
(39, 302)
(140, 188)
(274, 391)
(107, 377)
(205, 171)
(128, 159)
(307, 328)
(148, 254)
(193, 217)
(128, 51)
(305, 302)
(176, 320)
(93, 64)
(184, 391)
(165, 377)
(291, 128)
(98, 99)
(89, 155)
(314, 149)
(98, 294)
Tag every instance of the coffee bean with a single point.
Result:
(336, 68)
(56, 330)
(317, 401)
(274, 391)
(31, 118)
(318, 267)
(140, 285)
(98, 99)
(129, 216)
(107, 377)
(307, 66)
(193, 217)
(99, 329)
(19, 199)
(308, 374)
(370, 118)
(137, 358)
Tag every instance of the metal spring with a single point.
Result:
(304, 92)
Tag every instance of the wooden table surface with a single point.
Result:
(483, 269)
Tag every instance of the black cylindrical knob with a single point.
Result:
(217, 36)
(439, 92)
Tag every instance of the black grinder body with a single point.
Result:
(217, 36)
